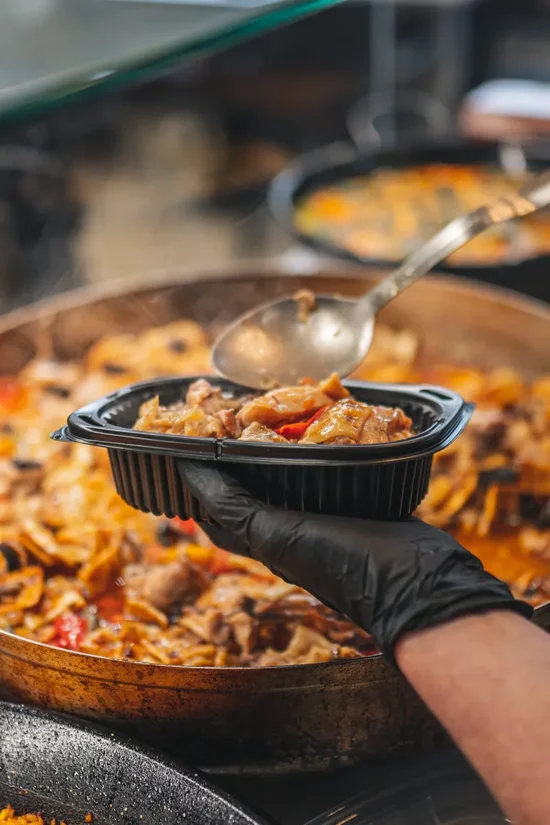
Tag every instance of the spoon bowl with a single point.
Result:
(279, 339)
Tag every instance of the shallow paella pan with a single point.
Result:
(294, 718)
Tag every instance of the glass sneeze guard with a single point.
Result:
(55, 50)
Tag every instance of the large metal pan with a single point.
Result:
(342, 161)
(306, 717)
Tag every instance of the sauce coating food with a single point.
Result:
(390, 212)
(309, 413)
(82, 570)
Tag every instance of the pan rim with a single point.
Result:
(255, 269)
(163, 668)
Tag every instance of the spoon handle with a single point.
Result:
(533, 196)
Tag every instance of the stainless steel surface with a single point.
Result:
(277, 344)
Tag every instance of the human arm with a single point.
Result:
(487, 679)
(429, 605)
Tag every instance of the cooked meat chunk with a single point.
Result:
(206, 413)
(229, 422)
(305, 646)
(351, 422)
(257, 432)
(283, 405)
(148, 414)
(163, 586)
(306, 303)
(197, 423)
(342, 423)
(334, 388)
(180, 419)
(207, 626)
(304, 639)
(290, 403)
(245, 630)
(201, 393)
(385, 424)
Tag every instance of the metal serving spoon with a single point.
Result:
(279, 343)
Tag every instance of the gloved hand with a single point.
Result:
(390, 578)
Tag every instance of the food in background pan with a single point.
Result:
(82, 570)
(323, 413)
(390, 212)
(9, 817)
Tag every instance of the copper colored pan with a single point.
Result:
(306, 717)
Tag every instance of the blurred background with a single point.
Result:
(171, 173)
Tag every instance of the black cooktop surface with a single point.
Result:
(420, 789)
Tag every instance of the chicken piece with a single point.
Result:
(245, 630)
(351, 422)
(224, 594)
(229, 422)
(306, 303)
(180, 419)
(334, 388)
(257, 432)
(148, 413)
(198, 424)
(228, 592)
(206, 626)
(303, 639)
(342, 423)
(306, 646)
(164, 585)
(288, 404)
(282, 406)
(202, 394)
(385, 424)
(205, 414)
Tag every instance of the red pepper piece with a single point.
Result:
(111, 607)
(188, 527)
(69, 631)
(221, 562)
(296, 430)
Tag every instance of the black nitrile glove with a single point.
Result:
(390, 578)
